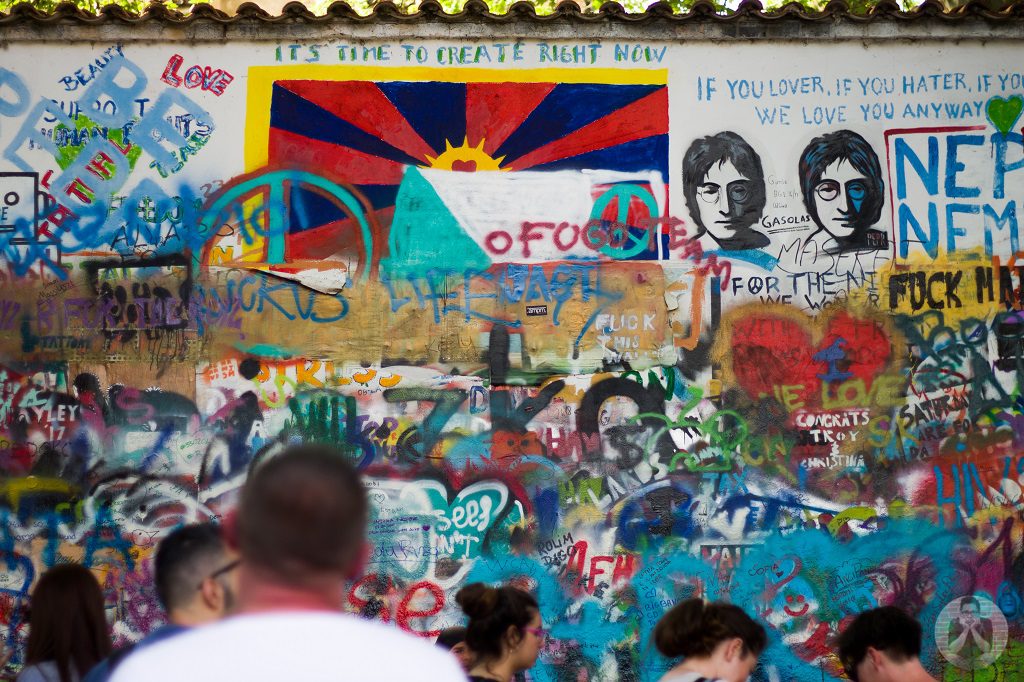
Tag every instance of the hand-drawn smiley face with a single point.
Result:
(796, 605)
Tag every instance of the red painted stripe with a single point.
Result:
(644, 118)
(495, 110)
(362, 104)
(340, 164)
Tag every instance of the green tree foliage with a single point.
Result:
(94, 6)
(496, 6)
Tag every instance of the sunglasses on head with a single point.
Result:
(227, 568)
(539, 633)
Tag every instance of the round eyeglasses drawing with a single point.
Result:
(971, 632)
(723, 183)
(843, 190)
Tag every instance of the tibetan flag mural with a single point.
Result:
(368, 135)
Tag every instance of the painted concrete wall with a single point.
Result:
(628, 320)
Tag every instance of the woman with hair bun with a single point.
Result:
(504, 630)
(719, 642)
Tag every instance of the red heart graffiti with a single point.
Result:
(773, 351)
(464, 166)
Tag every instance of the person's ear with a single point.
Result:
(212, 594)
(513, 637)
(734, 649)
(876, 658)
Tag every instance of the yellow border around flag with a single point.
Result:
(261, 81)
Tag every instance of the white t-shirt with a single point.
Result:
(291, 645)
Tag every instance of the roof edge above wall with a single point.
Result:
(886, 21)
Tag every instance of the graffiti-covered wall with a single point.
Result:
(626, 320)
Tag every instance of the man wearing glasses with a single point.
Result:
(841, 181)
(301, 531)
(723, 184)
(194, 571)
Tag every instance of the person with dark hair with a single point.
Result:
(301, 530)
(723, 184)
(719, 642)
(193, 571)
(841, 182)
(67, 626)
(970, 635)
(504, 630)
(188, 564)
(454, 640)
(883, 645)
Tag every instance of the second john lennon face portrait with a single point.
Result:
(841, 181)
